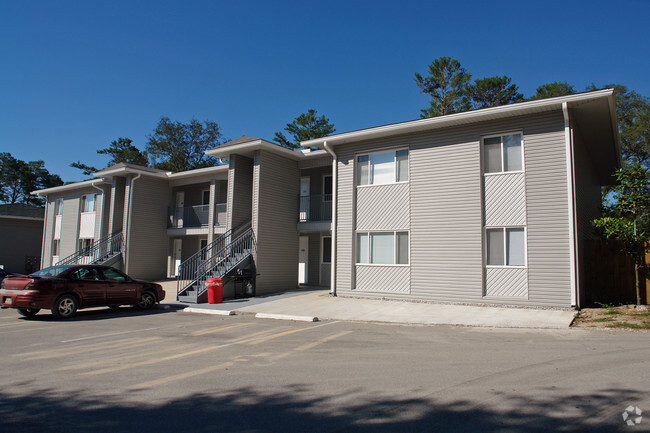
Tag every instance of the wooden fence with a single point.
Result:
(609, 275)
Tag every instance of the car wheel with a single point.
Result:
(28, 312)
(65, 307)
(147, 301)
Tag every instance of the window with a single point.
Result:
(56, 247)
(506, 246)
(383, 248)
(383, 167)
(327, 249)
(86, 274)
(84, 246)
(111, 274)
(502, 153)
(88, 203)
(206, 197)
(58, 206)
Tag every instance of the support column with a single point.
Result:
(211, 211)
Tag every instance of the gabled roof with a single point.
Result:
(70, 187)
(501, 112)
(246, 146)
(124, 168)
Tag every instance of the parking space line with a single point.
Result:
(84, 349)
(215, 330)
(108, 335)
(322, 340)
(179, 355)
(19, 323)
(186, 375)
(103, 344)
(271, 337)
(123, 357)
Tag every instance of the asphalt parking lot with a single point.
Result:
(165, 370)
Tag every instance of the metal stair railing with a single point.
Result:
(194, 270)
(98, 252)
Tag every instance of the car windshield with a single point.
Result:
(53, 271)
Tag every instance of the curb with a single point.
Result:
(204, 311)
(286, 317)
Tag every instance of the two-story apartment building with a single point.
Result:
(487, 206)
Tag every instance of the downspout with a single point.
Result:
(47, 205)
(334, 188)
(101, 214)
(127, 235)
(571, 197)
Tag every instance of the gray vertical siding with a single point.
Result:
(117, 211)
(240, 190)
(446, 212)
(148, 242)
(276, 209)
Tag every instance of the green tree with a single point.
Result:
(628, 219)
(633, 116)
(446, 85)
(120, 150)
(19, 178)
(307, 126)
(551, 90)
(177, 146)
(493, 91)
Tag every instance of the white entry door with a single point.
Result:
(178, 211)
(304, 198)
(177, 256)
(303, 257)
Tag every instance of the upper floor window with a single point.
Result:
(383, 167)
(58, 206)
(502, 153)
(88, 203)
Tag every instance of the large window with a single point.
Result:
(506, 246)
(88, 203)
(502, 153)
(383, 167)
(383, 248)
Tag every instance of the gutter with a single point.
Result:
(127, 235)
(334, 189)
(571, 197)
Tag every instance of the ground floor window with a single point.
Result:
(506, 246)
(383, 248)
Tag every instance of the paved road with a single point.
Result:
(168, 371)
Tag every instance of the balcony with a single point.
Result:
(315, 208)
(195, 216)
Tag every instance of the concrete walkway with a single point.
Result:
(319, 305)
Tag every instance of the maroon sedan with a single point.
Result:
(65, 289)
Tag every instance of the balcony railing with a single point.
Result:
(315, 208)
(195, 216)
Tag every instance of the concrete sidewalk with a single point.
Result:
(319, 305)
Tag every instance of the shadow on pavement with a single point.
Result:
(104, 313)
(296, 409)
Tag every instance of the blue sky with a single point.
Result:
(76, 75)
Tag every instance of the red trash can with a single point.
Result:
(215, 290)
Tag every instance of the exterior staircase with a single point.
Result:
(225, 257)
(106, 251)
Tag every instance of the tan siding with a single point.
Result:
(240, 190)
(383, 279)
(277, 237)
(505, 200)
(447, 217)
(148, 242)
(506, 282)
(383, 207)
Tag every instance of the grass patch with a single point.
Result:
(603, 319)
(612, 312)
(645, 325)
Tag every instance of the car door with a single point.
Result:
(89, 284)
(120, 289)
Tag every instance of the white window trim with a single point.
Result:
(505, 247)
(83, 201)
(386, 150)
(502, 172)
(369, 232)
